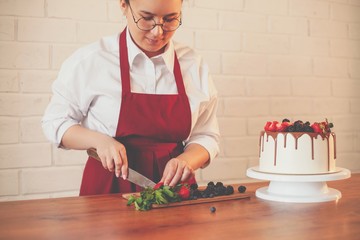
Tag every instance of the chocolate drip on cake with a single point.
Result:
(312, 148)
(296, 136)
(328, 143)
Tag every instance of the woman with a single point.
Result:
(139, 99)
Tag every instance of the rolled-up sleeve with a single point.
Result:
(64, 109)
(205, 131)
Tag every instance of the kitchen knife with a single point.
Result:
(133, 176)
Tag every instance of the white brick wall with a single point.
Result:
(298, 59)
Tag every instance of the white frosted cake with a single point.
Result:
(288, 148)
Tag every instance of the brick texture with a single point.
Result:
(7, 28)
(10, 130)
(296, 59)
(9, 81)
(46, 30)
(24, 55)
(93, 10)
(33, 8)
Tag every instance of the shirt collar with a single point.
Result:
(134, 51)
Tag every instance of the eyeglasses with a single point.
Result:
(148, 23)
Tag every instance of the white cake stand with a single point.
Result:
(298, 188)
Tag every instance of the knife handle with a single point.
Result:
(92, 153)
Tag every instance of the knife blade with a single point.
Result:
(133, 176)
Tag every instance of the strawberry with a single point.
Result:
(158, 185)
(267, 125)
(273, 127)
(189, 182)
(323, 126)
(316, 127)
(282, 127)
(184, 192)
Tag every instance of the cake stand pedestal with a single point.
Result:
(298, 188)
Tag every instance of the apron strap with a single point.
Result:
(178, 76)
(124, 63)
(125, 67)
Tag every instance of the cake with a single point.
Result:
(297, 148)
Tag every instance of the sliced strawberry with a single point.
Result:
(158, 185)
(272, 127)
(190, 181)
(316, 127)
(324, 126)
(267, 125)
(283, 126)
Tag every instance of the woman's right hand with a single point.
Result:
(113, 156)
(111, 152)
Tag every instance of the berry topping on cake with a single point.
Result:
(298, 126)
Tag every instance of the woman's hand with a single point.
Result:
(113, 156)
(176, 170)
(111, 152)
(182, 167)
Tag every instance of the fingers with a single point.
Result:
(116, 161)
(176, 171)
(176, 177)
(107, 163)
(187, 174)
(169, 172)
(118, 164)
(124, 165)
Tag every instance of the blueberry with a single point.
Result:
(195, 192)
(210, 188)
(212, 209)
(219, 184)
(299, 128)
(308, 129)
(221, 190)
(285, 120)
(229, 190)
(211, 183)
(242, 189)
(194, 186)
(298, 122)
(290, 128)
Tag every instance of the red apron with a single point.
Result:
(152, 127)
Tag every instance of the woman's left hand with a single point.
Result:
(176, 170)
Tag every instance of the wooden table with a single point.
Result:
(108, 217)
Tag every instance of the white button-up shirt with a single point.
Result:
(88, 89)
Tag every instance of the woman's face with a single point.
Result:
(152, 42)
